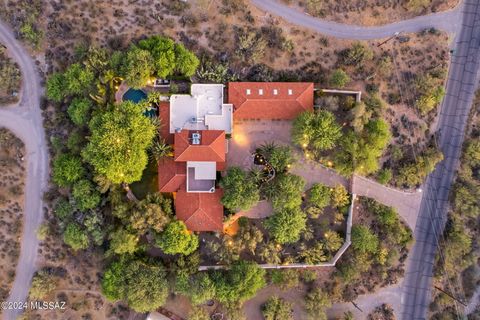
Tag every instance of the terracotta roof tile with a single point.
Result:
(270, 100)
(211, 147)
(200, 211)
(164, 115)
(171, 175)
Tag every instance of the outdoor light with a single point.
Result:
(304, 145)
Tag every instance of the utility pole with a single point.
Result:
(394, 36)
(355, 305)
(448, 294)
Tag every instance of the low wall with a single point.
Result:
(331, 263)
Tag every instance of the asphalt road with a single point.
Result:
(461, 85)
(25, 120)
(446, 21)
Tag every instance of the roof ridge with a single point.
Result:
(200, 209)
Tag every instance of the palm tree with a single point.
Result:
(160, 150)
(266, 149)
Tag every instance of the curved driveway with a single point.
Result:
(24, 120)
(447, 21)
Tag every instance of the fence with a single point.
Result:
(330, 263)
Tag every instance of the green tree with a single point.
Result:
(430, 91)
(199, 313)
(118, 144)
(277, 309)
(123, 242)
(43, 284)
(333, 241)
(364, 240)
(319, 130)
(286, 225)
(240, 191)
(280, 157)
(78, 79)
(418, 5)
(315, 254)
(177, 239)
(75, 237)
(186, 61)
(78, 111)
(339, 78)
(340, 197)
(240, 283)
(319, 195)
(316, 303)
(67, 169)
(357, 54)
(154, 212)
(472, 152)
(199, 288)
(160, 150)
(285, 279)
(55, 88)
(138, 67)
(162, 51)
(413, 173)
(142, 285)
(285, 191)
(360, 152)
(63, 209)
(85, 195)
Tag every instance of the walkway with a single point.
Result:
(448, 21)
(406, 203)
(24, 120)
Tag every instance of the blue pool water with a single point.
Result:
(134, 95)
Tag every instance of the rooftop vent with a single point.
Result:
(249, 91)
(275, 91)
(260, 92)
(196, 138)
(290, 92)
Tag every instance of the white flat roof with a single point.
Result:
(203, 109)
(204, 170)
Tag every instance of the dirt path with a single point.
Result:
(24, 120)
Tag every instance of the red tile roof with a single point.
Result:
(200, 211)
(171, 175)
(164, 115)
(270, 100)
(211, 147)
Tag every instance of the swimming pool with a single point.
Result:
(134, 95)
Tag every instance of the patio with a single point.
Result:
(247, 135)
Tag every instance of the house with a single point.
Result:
(197, 126)
(270, 100)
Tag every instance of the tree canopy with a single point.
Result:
(240, 190)
(67, 169)
(277, 309)
(339, 78)
(364, 240)
(141, 284)
(118, 144)
(123, 242)
(286, 225)
(78, 111)
(177, 239)
(285, 191)
(75, 237)
(319, 195)
(169, 57)
(85, 195)
(137, 68)
(316, 130)
(241, 282)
